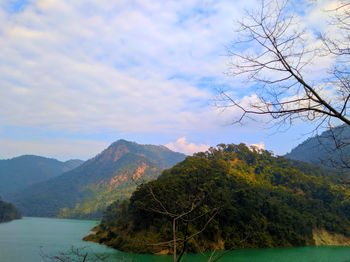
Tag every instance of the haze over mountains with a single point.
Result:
(322, 149)
(85, 191)
(20, 172)
(251, 185)
(41, 186)
(8, 212)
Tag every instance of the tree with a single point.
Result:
(181, 215)
(280, 71)
(75, 254)
(180, 212)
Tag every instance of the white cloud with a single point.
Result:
(115, 65)
(100, 65)
(188, 148)
(122, 66)
(259, 146)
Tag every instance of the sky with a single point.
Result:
(77, 75)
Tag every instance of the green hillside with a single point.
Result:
(86, 191)
(20, 172)
(8, 212)
(238, 197)
(329, 149)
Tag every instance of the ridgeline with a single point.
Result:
(87, 190)
(230, 197)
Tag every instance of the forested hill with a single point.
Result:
(322, 149)
(8, 212)
(20, 172)
(238, 197)
(85, 191)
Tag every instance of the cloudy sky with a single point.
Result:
(78, 75)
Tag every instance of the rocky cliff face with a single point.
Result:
(324, 238)
(264, 201)
(85, 191)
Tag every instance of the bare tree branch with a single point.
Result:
(277, 70)
(278, 67)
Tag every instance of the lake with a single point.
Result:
(23, 240)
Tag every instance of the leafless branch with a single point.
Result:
(273, 53)
(75, 254)
(276, 69)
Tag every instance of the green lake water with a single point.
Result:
(22, 240)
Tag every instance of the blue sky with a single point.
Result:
(77, 75)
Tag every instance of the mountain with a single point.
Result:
(329, 149)
(229, 197)
(8, 212)
(20, 172)
(85, 191)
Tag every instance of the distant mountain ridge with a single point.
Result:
(20, 172)
(85, 191)
(322, 149)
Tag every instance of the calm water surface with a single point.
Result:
(22, 240)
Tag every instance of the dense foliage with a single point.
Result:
(20, 172)
(8, 212)
(260, 200)
(87, 190)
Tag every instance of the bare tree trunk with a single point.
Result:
(174, 238)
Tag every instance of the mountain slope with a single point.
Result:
(85, 191)
(20, 172)
(323, 149)
(233, 198)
